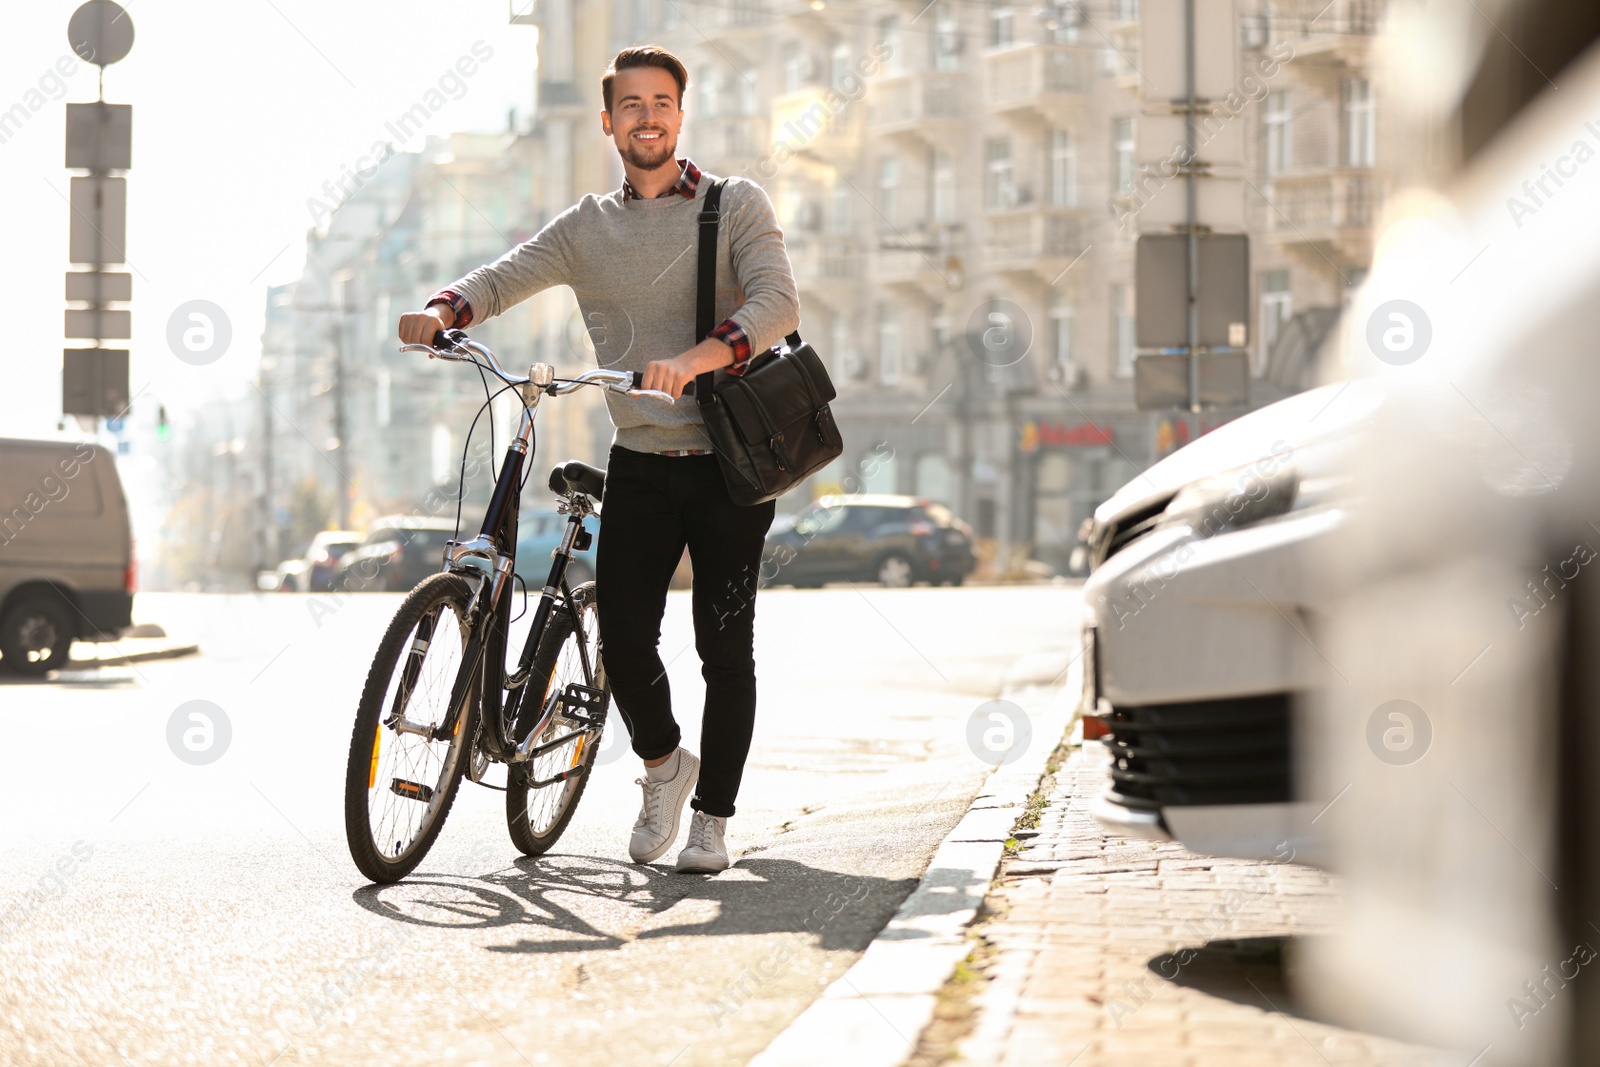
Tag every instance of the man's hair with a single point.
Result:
(646, 55)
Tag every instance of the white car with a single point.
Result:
(1197, 643)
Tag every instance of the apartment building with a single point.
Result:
(949, 178)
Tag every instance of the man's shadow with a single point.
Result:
(544, 896)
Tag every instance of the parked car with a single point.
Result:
(320, 564)
(397, 553)
(285, 578)
(67, 568)
(1455, 753)
(1195, 648)
(891, 540)
(539, 532)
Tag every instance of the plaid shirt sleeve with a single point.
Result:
(457, 303)
(732, 334)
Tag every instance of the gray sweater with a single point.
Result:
(631, 264)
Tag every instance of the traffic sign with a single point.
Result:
(1160, 280)
(100, 136)
(101, 33)
(94, 381)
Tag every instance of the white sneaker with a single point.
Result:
(657, 826)
(706, 853)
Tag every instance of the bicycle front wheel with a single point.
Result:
(537, 817)
(401, 779)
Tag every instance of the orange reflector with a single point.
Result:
(577, 756)
(372, 771)
(1095, 727)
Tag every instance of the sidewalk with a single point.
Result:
(1083, 960)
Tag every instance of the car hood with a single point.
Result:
(1325, 414)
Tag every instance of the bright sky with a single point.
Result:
(241, 111)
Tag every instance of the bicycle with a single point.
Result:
(439, 704)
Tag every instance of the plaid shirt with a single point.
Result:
(728, 332)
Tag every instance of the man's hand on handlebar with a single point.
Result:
(420, 327)
(671, 375)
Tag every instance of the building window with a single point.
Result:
(1127, 10)
(1063, 169)
(888, 346)
(749, 91)
(889, 187)
(944, 187)
(1279, 125)
(1360, 124)
(1061, 340)
(839, 213)
(1001, 27)
(711, 93)
(933, 477)
(889, 35)
(843, 354)
(1000, 190)
(1122, 148)
(795, 62)
(946, 39)
(669, 15)
(1122, 330)
(1276, 307)
(842, 77)
(880, 473)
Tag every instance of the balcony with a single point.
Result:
(920, 257)
(1328, 215)
(1042, 241)
(735, 18)
(1340, 33)
(1039, 82)
(729, 144)
(805, 122)
(826, 267)
(925, 104)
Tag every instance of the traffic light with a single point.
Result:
(163, 427)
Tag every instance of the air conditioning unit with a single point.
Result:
(1024, 194)
(1068, 374)
(1253, 31)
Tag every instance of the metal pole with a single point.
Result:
(338, 418)
(1192, 191)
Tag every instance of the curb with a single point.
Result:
(873, 1014)
(168, 652)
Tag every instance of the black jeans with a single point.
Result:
(653, 506)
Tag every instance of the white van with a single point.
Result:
(67, 569)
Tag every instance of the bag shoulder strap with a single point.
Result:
(706, 289)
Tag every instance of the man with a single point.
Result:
(630, 258)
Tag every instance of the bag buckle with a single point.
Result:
(773, 444)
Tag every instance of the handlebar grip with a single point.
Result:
(638, 383)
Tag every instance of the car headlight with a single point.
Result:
(1232, 500)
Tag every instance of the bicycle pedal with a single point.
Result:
(584, 705)
(411, 790)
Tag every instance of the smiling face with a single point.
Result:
(645, 116)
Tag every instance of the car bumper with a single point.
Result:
(1195, 648)
(105, 614)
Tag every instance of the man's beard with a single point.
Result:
(651, 156)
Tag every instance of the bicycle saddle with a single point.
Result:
(575, 476)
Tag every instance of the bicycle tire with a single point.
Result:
(436, 593)
(546, 673)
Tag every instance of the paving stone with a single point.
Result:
(1080, 919)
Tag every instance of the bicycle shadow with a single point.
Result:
(550, 895)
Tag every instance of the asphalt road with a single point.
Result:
(158, 912)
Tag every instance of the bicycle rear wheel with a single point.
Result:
(537, 818)
(399, 785)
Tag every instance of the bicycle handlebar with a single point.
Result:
(446, 343)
